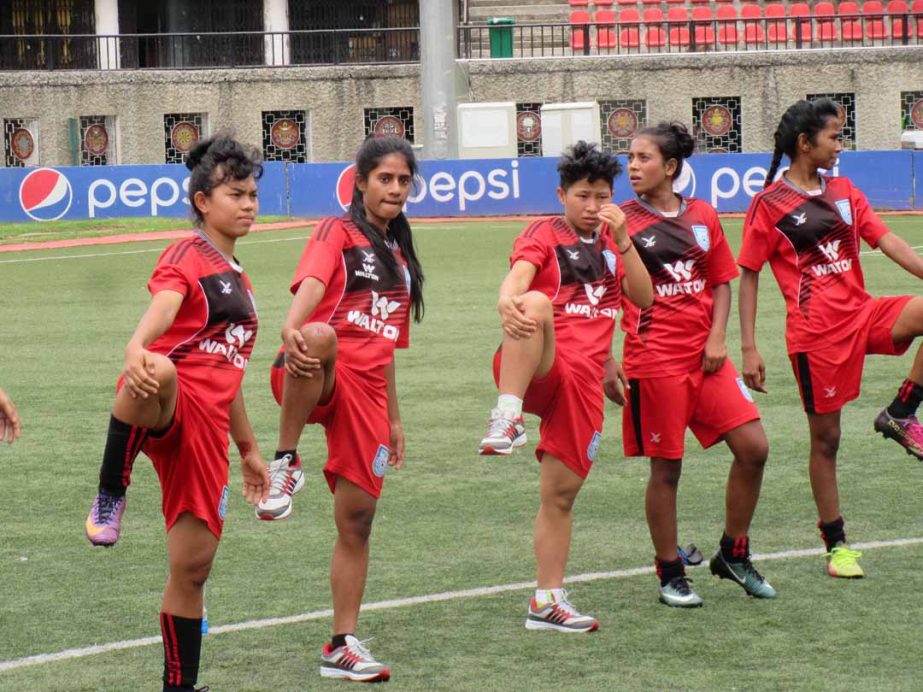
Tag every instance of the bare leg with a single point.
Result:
(531, 357)
(660, 506)
(553, 523)
(301, 394)
(354, 510)
(750, 448)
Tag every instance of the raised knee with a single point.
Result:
(164, 369)
(321, 339)
(537, 305)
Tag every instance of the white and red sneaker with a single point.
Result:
(505, 432)
(559, 615)
(352, 661)
(286, 479)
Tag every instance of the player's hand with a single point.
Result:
(615, 385)
(716, 352)
(614, 218)
(10, 426)
(138, 372)
(255, 476)
(297, 361)
(396, 453)
(754, 370)
(513, 317)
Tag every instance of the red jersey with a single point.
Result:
(366, 302)
(812, 244)
(211, 339)
(583, 279)
(685, 256)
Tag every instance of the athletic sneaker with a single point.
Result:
(352, 661)
(907, 432)
(104, 522)
(285, 480)
(842, 561)
(678, 594)
(504, 433)
(744, 573)
(559, 615)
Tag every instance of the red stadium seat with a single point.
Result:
(654, 36)
(800, 15)
(724, 0)
(916, 10)
(775, 24)
(579, 29)
(900, 18)
(850, 24)
(627, 2)
(630, 35)
(753, 29)
(578, 3)
(676, 2)
(875, 28)
(678, 22)
(650, 2)
(704, 26)
(727, 25)
(698, 1)
(605, 29)
(825, 20)
(603, 3)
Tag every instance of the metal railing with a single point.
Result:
(689, 35)
(201, 50)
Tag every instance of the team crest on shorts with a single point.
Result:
(380, 462)
(223, 503)
(593, 449)
(701, 236)
(744, 390)
(842, 206)
(609, 256)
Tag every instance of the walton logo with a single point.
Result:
(236, 336)
(594, 295)
(681, 270)
(382, 309)
(831, 250)
(382, 306)
(45, 195)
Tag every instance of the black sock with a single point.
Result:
(735, 549)
(668, 570)
(123, 443)
(182, 645)
(282, 452)
(833, 533)
(339, 640)
(907, 401)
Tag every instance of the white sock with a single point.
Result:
(546, 596)
(510, 404)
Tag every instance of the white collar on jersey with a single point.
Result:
(809, 193)
(666, 215)
(230, 260)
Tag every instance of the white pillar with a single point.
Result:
(438, 78)
(107, 28)
(275, 18)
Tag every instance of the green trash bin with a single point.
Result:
(501, 36)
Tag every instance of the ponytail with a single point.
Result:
(802, 117)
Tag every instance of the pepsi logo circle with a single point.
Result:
(684, 183)
(345, 184)
(45, 194)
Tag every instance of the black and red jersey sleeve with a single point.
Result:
(532, 245)
(171, 273)
(755, 248)
(721, 265)
(866, 221)
(322, 254)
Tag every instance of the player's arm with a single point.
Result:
(615, 384)
(253, 470)
(10, 426)
(308, 296)
(510, 305)
(138, 370)
(899, 251)
(637, 282)
(396, 453)
(754, 369)
(716, 349)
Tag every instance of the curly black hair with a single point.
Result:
(585, 161)
(215, 161)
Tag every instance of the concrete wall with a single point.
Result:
(335, 96)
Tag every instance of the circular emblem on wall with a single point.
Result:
(184, 136)
(22, 144)
(717, 150)
(717, 121)
(528, 126)
(96, 140)
(284, 133)
(916, 114)
(622, 123)
(388, 126)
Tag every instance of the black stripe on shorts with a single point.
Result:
(635, 399)
(804, 381)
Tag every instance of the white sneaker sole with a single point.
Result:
(340, 674)
(542, 625)
(487, 450)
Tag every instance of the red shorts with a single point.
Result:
(831, 376)
(356, 423)
(191, 460)
(570, 405)
(659, 410)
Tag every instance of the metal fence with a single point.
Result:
(219, 49)
(689, 35)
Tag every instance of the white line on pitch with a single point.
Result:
(83, 652)
(879, 253)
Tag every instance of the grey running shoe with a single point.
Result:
(352, 661)
(504, 433)
(559, 615)
(285, 480)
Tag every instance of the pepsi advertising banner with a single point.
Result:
(487, 187)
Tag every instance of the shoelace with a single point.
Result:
(106, 507)
(499, 424)
(751, 570)
(566, 605)
(681, 584)
(358, 648)
(278, 474)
